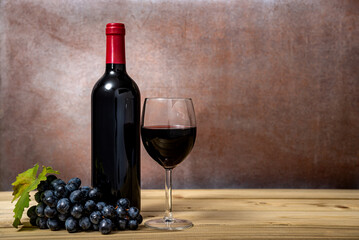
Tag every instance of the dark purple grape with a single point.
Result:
(41, 222)
(121, 212)
(50, 212)
(139, 219)
(56, 183)
(133, 212)
(71, 187)
(53, 224)
(50, 178)
(76, 196)
(122, 224)
(38, 197)
(105, 226)
(43, 186)
(123, 202)
(31, 212)
(62, 217)
(100, 205)
(76, 181)
(85, 191)
(33, 221)
(47, 193)
(63, 205)
(50, 201)
(108, 211)
(77, 211)
(71, 225)
(132, 224)
(85, 223)
(90, 206)
(39, 210)
(95, 194)
(95, 217)
(61, 191)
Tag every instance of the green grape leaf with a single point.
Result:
(20, 205)
(26, 182)
(23, 181)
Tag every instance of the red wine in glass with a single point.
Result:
(168, 145)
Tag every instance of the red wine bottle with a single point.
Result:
(116, 125)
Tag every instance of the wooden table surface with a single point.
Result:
(227, 214)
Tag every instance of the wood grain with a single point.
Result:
(228, 214)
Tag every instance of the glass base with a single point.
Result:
(175, 224)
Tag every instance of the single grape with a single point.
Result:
(77, 210)
(123, 202)
(122, 224)
(39, 210)
(85, 223)
(108, 211)
(47, 193)
(41, 222)
(71, 225)
(90, 206)
(95, 194)
(31, 212)
(76, 196)
(95, 227)
(71, 187)
(62, 217)
(133, 212)
(61, 191)
(33, 221)
(95, 217)
(85, 191)
(132, 224)
(57, 182)
(105, 226)
(76, 181)
(121, 212)
(38, 196)
(53, 224)
(43, 186)
(50, 212)
(50, 178)
(63, 205)
(50, 201)
(139, 219)
(100, 205)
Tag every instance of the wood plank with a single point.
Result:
(237, 204)
(197, 232)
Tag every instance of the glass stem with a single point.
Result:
(168, 187)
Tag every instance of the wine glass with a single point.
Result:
(168, 132)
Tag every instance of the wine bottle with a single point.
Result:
(115, 106)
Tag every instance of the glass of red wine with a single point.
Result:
(168, 131)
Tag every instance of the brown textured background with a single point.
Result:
(275, 86)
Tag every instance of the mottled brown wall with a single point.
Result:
(275, 86)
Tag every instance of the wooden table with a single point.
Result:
(227, 214)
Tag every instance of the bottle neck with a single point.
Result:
(115, 50)
(115, 67)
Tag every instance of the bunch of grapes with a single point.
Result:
(76, 208)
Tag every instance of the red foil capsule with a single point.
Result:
(115, 43)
